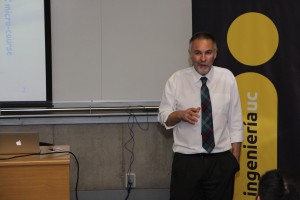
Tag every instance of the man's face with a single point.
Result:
(202, 54)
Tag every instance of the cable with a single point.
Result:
(131, 151)
(77, 175)
(128, 190)
(132, 119)
(53, 152)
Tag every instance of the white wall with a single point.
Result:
(124, 50)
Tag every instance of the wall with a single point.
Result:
(104, 160)
(103, 48)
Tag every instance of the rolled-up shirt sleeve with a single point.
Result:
(167, 104)
(235, 120)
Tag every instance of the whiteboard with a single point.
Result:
(117, 50)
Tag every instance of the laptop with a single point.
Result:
(19, 143)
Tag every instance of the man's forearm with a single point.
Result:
(190, 115)
(173, 118)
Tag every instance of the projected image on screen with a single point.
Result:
(22, 51)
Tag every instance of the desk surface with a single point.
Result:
(36, 177)
(49, 155)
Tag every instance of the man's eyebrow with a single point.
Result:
(207, 51)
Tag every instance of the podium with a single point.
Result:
(36, 177)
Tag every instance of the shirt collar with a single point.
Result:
(210, 74)
(197, 76)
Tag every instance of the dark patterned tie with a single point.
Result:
(208, 142)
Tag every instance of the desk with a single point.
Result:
(39, 177)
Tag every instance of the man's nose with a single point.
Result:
(202, 57)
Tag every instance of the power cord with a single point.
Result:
(132, 119)
(52, 152)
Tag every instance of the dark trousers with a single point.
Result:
(203, 176)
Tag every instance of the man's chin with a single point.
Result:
(203, 70)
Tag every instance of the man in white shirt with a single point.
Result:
(196, 173)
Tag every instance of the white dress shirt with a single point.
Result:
(182, 91)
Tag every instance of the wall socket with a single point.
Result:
(130, 178)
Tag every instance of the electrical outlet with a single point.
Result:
(130, 179)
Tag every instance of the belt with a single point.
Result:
(204, 154)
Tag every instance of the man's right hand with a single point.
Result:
(190, 115)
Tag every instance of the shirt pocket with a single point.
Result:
(187, 100)
(220, 103)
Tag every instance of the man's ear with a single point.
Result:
(257, 198)
(215, 55)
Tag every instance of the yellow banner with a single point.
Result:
(259, 150)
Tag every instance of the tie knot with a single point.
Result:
(203, 79)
